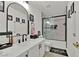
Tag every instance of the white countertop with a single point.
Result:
(18, 49)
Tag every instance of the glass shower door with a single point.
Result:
(47, 28)
(54, 28)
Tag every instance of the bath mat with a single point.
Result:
(59, 51)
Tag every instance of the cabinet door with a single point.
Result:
(34, 52)
(42, 50)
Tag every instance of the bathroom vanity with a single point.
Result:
(30, 48)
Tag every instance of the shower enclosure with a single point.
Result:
(54, 28)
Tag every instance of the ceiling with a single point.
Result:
(50, 8)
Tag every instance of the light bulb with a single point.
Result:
(48, 22)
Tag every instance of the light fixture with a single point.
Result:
(48, 22)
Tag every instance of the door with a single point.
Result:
(77, 28)
(73, 32)
(70, 36)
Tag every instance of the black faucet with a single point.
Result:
(23, 38)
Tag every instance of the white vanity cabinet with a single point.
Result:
(37, 51)
(31, 48)
(25, 54)
(34, 52)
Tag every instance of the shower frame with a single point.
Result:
(56, 17)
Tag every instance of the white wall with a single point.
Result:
(37, 18)
(3, 39)
(2, 22)
(2, 26)
(69, 33)
(3, 19)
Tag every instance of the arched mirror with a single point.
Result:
(16, 25)
(17, 20)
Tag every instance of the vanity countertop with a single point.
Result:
(18, 49)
